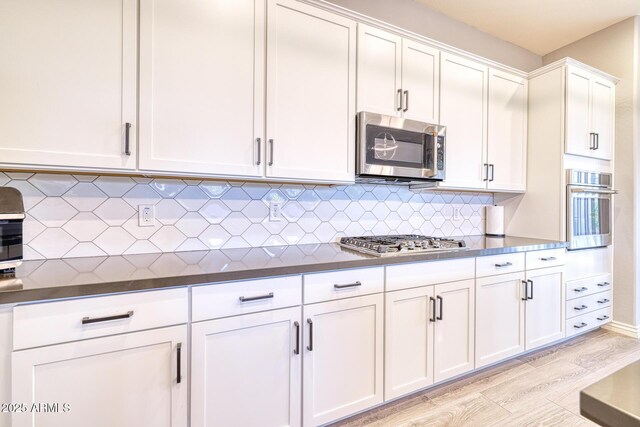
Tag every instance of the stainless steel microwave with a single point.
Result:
(396, 149)
(11, 218)
(589, 209)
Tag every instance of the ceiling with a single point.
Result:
(540, 26)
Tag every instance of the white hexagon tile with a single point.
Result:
(85, 215)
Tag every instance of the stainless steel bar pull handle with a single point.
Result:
(531, 283)
(582, 307)
(271, 151)
(432, 300)
(493, 170)
(257, 298)
(179, 363)
(597, 141)
(592, 141)
(310, 346)
(603, 301)
(296, 350)
(580, 326)
(605, 317)
(406, 101)
(399, 100)
(441, 307)
(582, 289)
(526, 291)
(348, 285)
(486, 172)
(127, 145)
(603, 284)
(259, 142)
(504, 264)
(549, 258)
(89, 320)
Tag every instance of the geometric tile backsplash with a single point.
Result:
(87, 215)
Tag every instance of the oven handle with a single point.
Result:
(593, 190)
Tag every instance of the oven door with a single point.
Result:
(589, 219)
(10, 243)
(398, 148)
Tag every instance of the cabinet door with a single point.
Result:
(202, 86)
(247, 370)
(545, 308)
(579, 140)
(463, 109)
(379, 71)
(68, 83)
(420, 81)
(310, 93)
(408, 354)
(499, 317)
(603, 117)
(343, 353)
(129, 380)
(507, 128)
(454, 329)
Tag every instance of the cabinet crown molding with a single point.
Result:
(570, 61)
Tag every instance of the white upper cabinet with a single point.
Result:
(590, 114)
(202, 86)
(379, 71)
(507, 140)
(68, 84)
(420, 81)
(397, 76)
(311, 77)
(463, 110)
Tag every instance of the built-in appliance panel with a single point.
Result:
(36, 325)
(499, 264)
(545, 258)
(405, 276)
(333, 285)
(243, 297)
(586, 322)
(587, 304)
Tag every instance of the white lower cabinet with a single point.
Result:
(545, 311)
(343, 358)
(500, 317)
(129, 380)
(246, 370)
(409, 323)
(454, 331)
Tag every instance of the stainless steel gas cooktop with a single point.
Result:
(401, 244)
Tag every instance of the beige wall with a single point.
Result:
(420, 19)
(612, 50)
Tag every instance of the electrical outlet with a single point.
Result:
(456, 214)
(146, 215)
(275, 211)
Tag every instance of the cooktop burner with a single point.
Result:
(401, 244)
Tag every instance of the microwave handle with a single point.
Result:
(593, 190)
(435, 152)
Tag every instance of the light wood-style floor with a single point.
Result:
(538, 389)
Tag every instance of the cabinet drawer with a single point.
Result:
(591, 285)
(545, 258)
(499, 264)
(586, 322)
(587, 304)
(413, 275)
(342, 284)
(72, 320)
(242, 297)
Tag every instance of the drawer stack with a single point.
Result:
(588, 303)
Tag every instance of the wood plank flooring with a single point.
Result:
(537, 389)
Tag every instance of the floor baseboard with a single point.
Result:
(624, 329)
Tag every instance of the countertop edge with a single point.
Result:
(157, 283)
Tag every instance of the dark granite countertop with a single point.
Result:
(75, 277)
(614, 400)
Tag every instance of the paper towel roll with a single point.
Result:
(494, 224)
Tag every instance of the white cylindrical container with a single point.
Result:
(494, 221)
